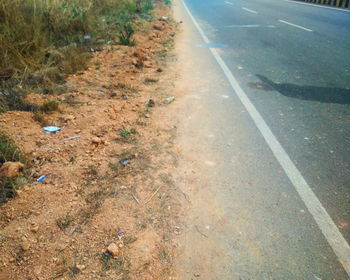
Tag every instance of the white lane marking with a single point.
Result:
(318, 6)
(295, 25)
(249, 10)
(229, 3)
(330, 231)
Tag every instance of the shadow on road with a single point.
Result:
(311, 93)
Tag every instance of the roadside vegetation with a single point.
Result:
(41, 41)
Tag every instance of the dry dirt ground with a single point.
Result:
(111, 185)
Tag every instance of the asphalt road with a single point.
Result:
(293, 63)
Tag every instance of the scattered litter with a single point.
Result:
(52, 129)
(32, 172)
(169, 99)
(92, 50)
(239, 67)
(73, 229)
(212, 46)
(125, 97)
(306, 138)
(201, 233)
(148, 200)
(120, 234)
(41, 178)
(151, 103)
(164, 18)
(87, 37)
(71, 138)
(124, 162)
(101, 92)
(196, 274)
(136, 199)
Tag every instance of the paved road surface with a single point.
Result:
(293, 63)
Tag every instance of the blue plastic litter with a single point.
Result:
(52, 129)
(41, 178)
(120, 234)
(124, 162)
(213, 46)
(87, 37)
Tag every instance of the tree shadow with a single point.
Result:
(311, 93)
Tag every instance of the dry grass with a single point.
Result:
(9, 152)
(41, 41)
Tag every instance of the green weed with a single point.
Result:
(125, 133)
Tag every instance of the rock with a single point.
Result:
(137, 63)
(96, 140)
(147, 64)
(196, 274)
(134, 61)
(169, 99)
(69, 118)
(11, 169)
(113, 249)
(81, 267)
(25, 245)
(158, 27)
(34, 227)
(151, 103)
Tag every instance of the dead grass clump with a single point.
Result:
(40, 118)
(49, 106)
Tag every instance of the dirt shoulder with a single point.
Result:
(108, 206)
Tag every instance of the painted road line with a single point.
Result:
(229, 3)
(249, 10)
(330, 231)
(295, 25)
(318, 6)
